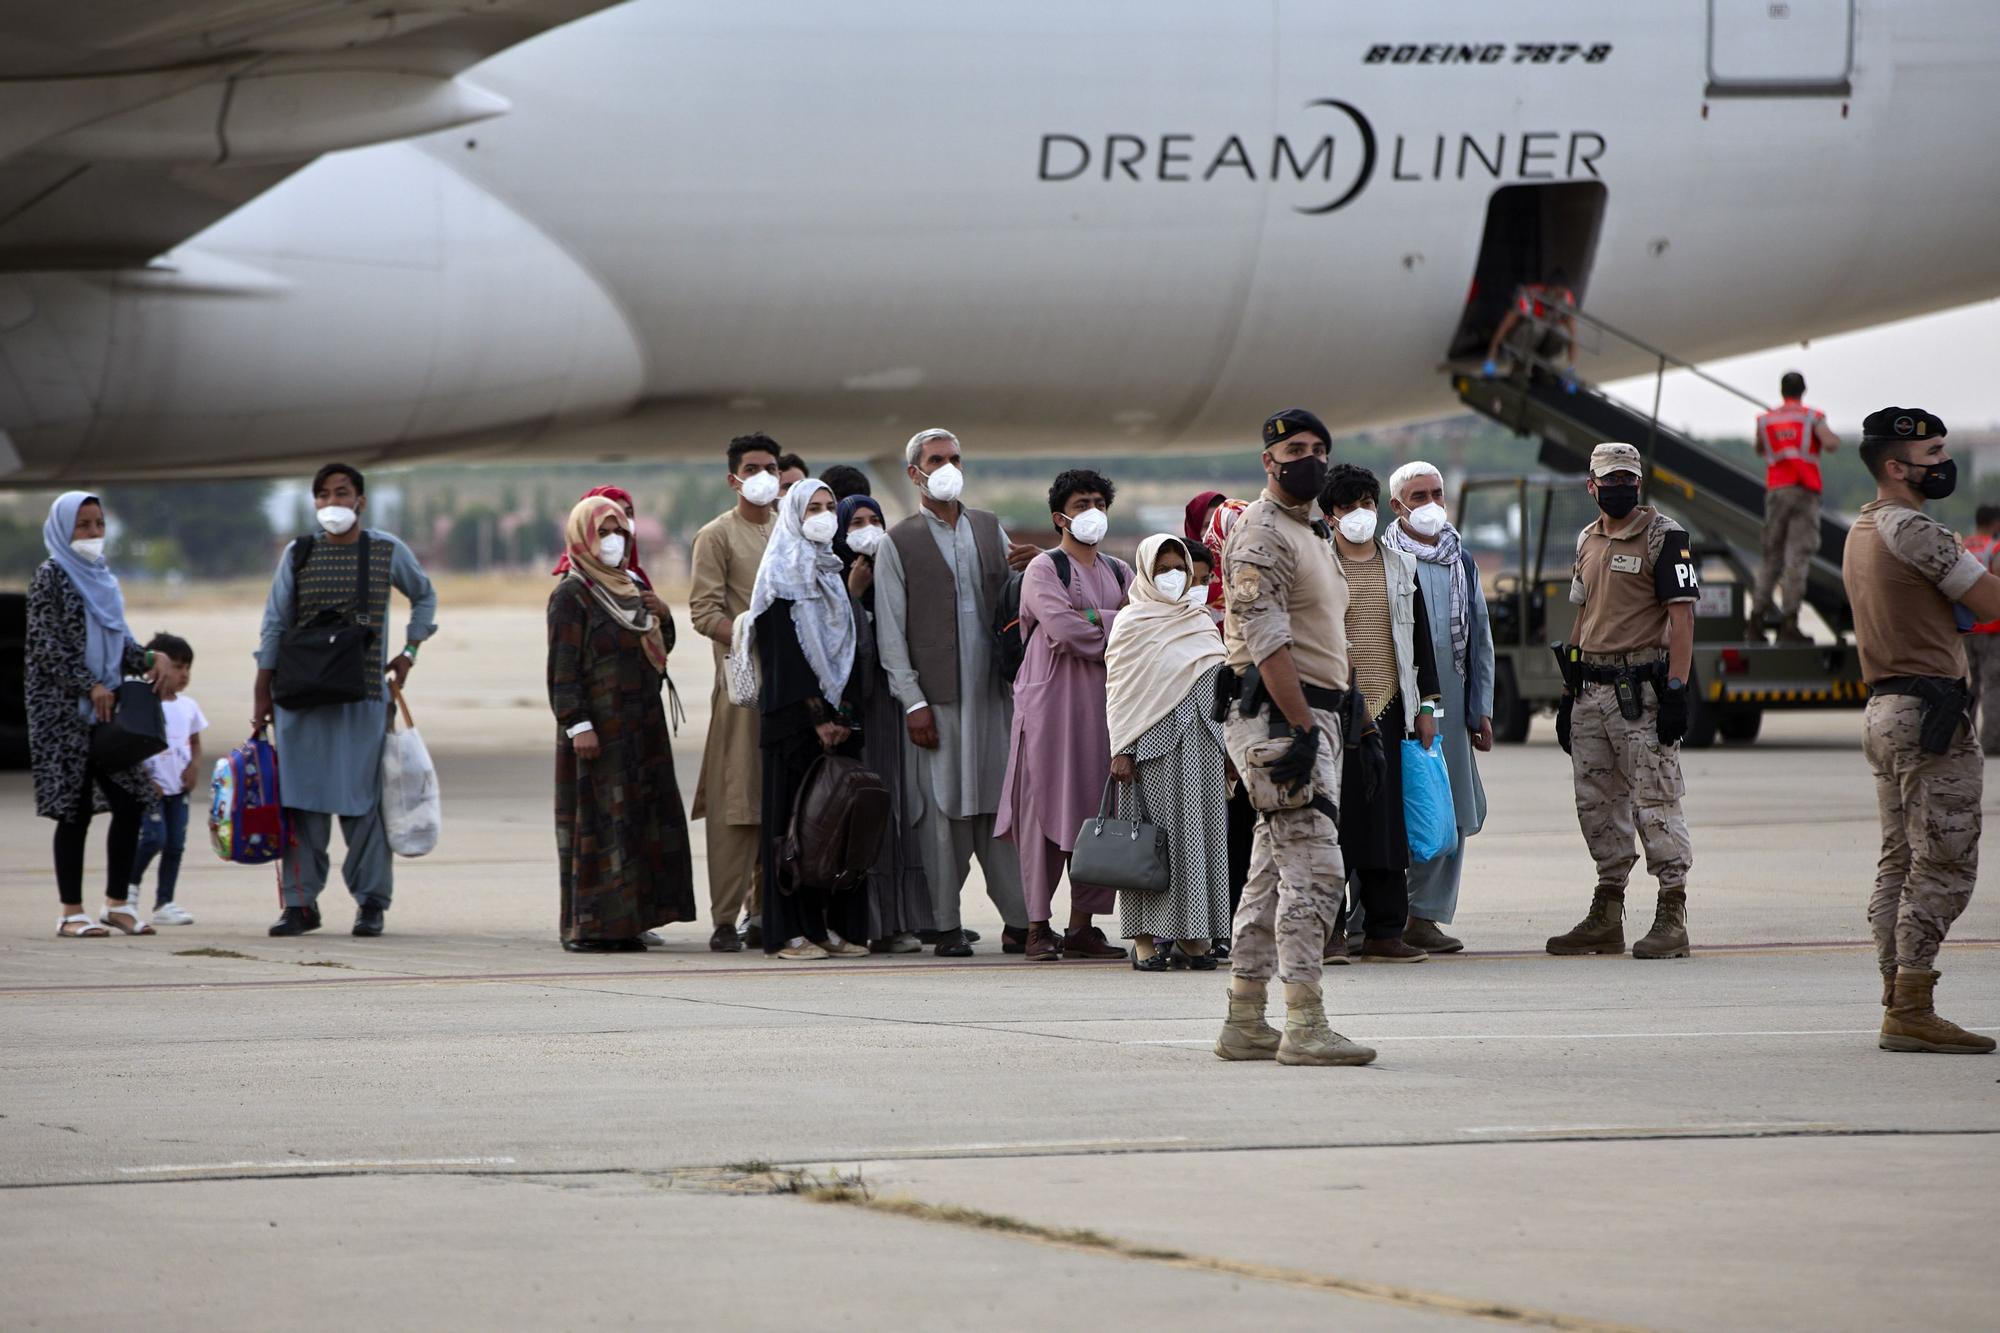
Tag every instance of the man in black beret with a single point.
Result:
(1904, 571)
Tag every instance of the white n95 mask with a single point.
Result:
(1358, 526)
(1427, 520)
(946, 484)
(611, 549)
(761, 488)
(820, 528)
(865, 541)
(1171, 584)
(337, 519)
(1089, 527)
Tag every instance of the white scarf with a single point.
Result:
(1159, 647)
(1446, 551)
(808, 576)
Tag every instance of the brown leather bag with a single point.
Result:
(838, 822)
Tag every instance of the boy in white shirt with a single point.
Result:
(176, 771)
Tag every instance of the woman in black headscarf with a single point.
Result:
(899, 897)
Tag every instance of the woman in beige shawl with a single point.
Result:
(1160, 663)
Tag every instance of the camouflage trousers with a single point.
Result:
(1930, 831)
(1297, 878)
(1627, 782)
(1791, 535)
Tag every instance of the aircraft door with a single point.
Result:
(1533, 233)
(1780, 48)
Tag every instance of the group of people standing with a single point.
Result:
(885, 644)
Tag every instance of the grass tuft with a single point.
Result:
(215, 953)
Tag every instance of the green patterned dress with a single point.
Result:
(621, 831)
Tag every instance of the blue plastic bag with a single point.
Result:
(1427, 808)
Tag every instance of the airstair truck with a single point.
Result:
(1737, 675)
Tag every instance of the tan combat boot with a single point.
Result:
(1912, 1025)
(1669, 936)
(1602, 931)
(1245, 1035)
(1308, 1040)
(1888, 984)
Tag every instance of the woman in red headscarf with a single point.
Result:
(623, 498)
(621, 830)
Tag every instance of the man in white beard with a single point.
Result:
(1463, 640)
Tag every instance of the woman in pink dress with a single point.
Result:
(1060, 751)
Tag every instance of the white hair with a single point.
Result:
(1408, 473)
(914, 450)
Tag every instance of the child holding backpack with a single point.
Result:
(175, 772)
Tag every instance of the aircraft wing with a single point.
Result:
(127, 126)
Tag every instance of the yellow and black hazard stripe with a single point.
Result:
(1839, 692)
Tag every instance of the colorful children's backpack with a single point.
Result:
(246, 820)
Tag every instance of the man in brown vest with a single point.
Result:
(1903, 570)
(1626, 709)
(937, 580)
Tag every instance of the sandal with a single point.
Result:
(86, 928)
(139, 925)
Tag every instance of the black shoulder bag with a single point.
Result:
(328, 659)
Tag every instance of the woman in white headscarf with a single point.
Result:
(804, 626)
(1160, 666)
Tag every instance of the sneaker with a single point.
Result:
(801, 952)
(837, 947)
(171, 914)
(907, 942)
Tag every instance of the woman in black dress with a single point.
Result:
(805, 653)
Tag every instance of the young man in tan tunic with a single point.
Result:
(1635, 585)
(1903, 570)
(727, 552)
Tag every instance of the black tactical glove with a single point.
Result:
(1673, 719)
(1294, 768)
(1374, 761)
(1563, 710)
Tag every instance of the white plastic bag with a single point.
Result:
(412, 810)
(740, 667)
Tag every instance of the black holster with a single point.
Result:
(1228, 685)
(1571, 666)
(1944, 703)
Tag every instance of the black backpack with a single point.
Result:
(839, 819)
(329, 659)
(1009, 648)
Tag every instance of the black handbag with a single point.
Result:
(1127, 854)
(136, 732)
(329, 659)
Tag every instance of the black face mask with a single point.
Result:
(1936, 481)
(1617, 501)
(1303, 478)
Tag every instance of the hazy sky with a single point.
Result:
(1944, 363)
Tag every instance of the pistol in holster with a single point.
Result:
(1569, 661)
(1228, 685)
(1253, 700)
(1944, 704)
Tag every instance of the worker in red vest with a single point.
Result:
(1790, 438)
(1542, 307)
(1982, 642)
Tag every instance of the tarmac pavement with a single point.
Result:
(459, 1125)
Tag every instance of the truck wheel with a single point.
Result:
(1741, 725)
(1510, 710)
(13, 678)
(1701, 722)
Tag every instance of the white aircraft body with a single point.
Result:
(252, 235)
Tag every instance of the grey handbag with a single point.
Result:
(1122, 854)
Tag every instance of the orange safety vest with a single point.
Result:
(1981, 548)
(1791, 445)
(1538, 300)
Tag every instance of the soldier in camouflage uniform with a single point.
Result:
(1635, 584)
(1287, 603)
(1903, 570)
